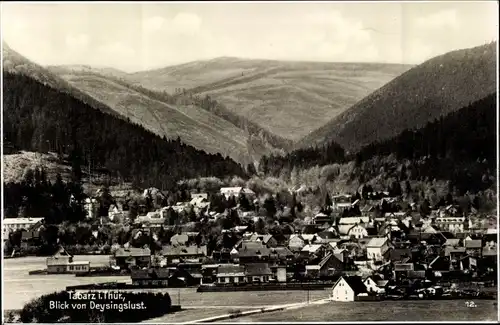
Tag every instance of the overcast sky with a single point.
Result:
(134, 36)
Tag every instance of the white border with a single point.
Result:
(262, 2)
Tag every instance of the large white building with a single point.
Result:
(347, 288)
(236, 191)
(12, 224)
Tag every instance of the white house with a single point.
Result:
(375, 284)
(12, 224)
(357, 231)
(236, 191)
(376, 248)
(347, 288)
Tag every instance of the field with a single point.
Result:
(19, 287)
(289, 99)
(450, 310)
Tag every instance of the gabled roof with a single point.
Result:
(354, 282)
(353, 220)
(282, 251)
(490, 251)
(250, 249)
(311, 248)
(179, 239)
(154, 273)
(377, 242)
(184, 251)
(400, 254)
(257, 269)
(230, 270)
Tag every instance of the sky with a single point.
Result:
(142, 36)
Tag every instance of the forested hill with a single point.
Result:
(460, 147)
(40, 118)
(432, 89)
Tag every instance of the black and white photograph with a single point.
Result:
(249, 162)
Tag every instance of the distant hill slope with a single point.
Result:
(14, 62)
(432, 89)
(290, 99)
(194, 126)
(39, 118)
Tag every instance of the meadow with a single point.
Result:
(443, 310)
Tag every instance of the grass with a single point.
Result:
(290, 99)
(452, 310)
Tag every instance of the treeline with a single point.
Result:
(302, 159)
(460, 147)
(39, 118)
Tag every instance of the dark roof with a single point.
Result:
(184, 250)
(447, 234)
(256, 269)
(310, 229)
(490, 237)
(249, 249)
(157, 273)
(403, 266)
(132, 252)
(416, 274)
(326, 235)
(400, 254)
(230, 269)
(355, 282)
(30, 234)
(282, 252)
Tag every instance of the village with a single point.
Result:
(372, 246)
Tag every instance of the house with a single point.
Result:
(473, 247)
(357, 232)
(452, 224)
(151, 219)
(314, 249)
(231, 273)
(12, 224)
(199, 202)
(440, 265)
(236, 192)
(282, 254)
(327, 236)
(348, 288)
(62, 262)
(251, 252)
(182, 253)
(91, 207)
(179, 239)
(342, 202)
(30, 238)
(151, 277)
(328, 266)
(296, 243)
(321, 218)
(377, 248)
(127, 258)
(375, 283)
(400, 255)
(267, 239)
(199, 196)
(279, 273)
(401, 270)
(258, 272)
(452, 242)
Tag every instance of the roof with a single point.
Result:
(474, 243)
(400, 254)
(230, 270)
(58, 260)
(156, 273)
(326, 235)
(184, 250)
(18, 221)
(452, 249)
(490, 251)
(377, 242)
(256, 269)
(133, 252)
(353, 220)
(452, 242)
(179, 239)
(249, 249)
(309, 237)
(355, 282)
(282, 251)
(311, 248)
(403, 266)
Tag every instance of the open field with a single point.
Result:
(444, 310)
(189, 315)
(20, 287)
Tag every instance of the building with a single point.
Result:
(92, 208)
(231, 273)
(330, 265)
(236, 192)
(181, 253)
(321, 218)
(151, 277)
(127, 258)
(12, 224)
(375, 283)
(62, 263)
(258, 272)
(377, 248)
(348, 288)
